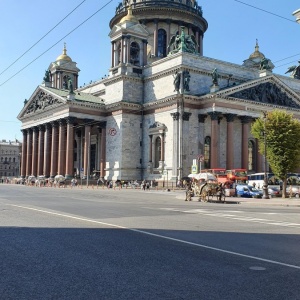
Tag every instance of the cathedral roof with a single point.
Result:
(78, 96)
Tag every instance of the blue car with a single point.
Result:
(248, 191)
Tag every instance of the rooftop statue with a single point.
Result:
(295, 70)
(176, 81)
(47, 76)
(119, 7)
(186, 81)
(71, 86)
(264, 64)
(198, 7)
(215, 76)
(182, 42)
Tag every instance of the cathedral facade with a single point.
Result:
(163, 104)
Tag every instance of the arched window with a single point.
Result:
(207, 143)
(157, 151)
(251, 155)
(135, 53)
(162, 43)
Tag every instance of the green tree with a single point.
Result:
(282, 142)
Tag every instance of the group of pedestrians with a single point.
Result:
(145, 185)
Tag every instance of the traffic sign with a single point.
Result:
(200, 157)
(194, 169)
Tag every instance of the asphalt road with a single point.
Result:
(131, 244)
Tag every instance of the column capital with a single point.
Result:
(88, 121)
(186, 116)
(201, 118)
(35, 129)
(61, 122)
(54, 124)
(24, 131)
(47, 126)
(245, 119)
(175, 116)
(145, 41)
(41, 128)
(101, 125)
(70, 120)
(230, 117)
(214, 115)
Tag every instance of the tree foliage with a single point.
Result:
(282, 142)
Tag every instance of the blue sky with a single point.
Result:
(233, 28)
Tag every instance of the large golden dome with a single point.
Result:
(64, 55)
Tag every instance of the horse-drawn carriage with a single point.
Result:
(205, 186)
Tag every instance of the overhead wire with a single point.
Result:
(266, 11)
(56, 42)
(276, 15)
(42, 37)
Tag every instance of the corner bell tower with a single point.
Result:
(62, 70)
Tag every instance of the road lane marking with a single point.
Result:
(161, 236)
(211, 213)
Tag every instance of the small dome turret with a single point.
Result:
(64, 55)
(129, 17)
(255, 59)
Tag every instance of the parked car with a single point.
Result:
(248, 191)
(295, 191)
(274, 192)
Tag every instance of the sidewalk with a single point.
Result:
(271, 201)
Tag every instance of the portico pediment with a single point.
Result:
(268, 90)
(39, 101)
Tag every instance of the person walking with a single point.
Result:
(144, 184)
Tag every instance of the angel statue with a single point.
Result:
(182, 42)
(215, 76)
(295, 70)
(47, 76)
(70, 85)
(264, 64)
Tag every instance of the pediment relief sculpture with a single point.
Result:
(41, 101)
(266, 93)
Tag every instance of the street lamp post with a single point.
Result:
(265, 186)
